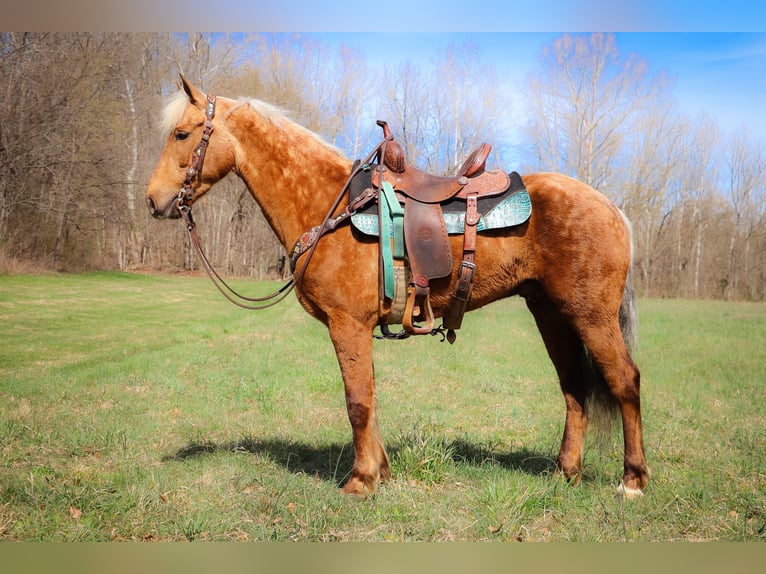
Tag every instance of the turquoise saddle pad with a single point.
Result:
(512, 207)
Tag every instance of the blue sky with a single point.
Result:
(721, 74)
(714, 49)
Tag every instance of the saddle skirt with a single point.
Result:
(508, 209)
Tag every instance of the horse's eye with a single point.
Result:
(181, 136)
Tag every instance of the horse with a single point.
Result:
(571, 261)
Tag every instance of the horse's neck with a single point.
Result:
(291, 173)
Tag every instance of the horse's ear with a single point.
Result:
(196, 96)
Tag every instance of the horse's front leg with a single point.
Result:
(353, 346)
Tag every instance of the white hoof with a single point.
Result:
(629, 493)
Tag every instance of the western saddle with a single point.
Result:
(425, 235)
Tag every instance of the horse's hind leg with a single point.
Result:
(353, 347)
(610, 354)
(566, 352)
(564, 339)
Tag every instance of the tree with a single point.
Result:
(703, 176)
(581, 102)
(405, 94)
(651, 186)
(746, 187)
(57, 144)
(441, 114)
(468, 104)
(78, 142)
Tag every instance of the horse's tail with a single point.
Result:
(602, 407)
(628, 312)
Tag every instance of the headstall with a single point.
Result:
(306, 243)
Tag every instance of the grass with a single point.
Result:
(148, 408)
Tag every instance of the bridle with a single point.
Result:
(305, 243)
(184, 197)
(184, 204)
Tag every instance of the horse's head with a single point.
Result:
(184, 119)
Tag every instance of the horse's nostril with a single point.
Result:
(150, 205)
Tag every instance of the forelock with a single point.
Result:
(173, 112)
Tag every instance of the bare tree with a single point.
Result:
(442, 113)
(58, 143)
(405, 95)
(746, 165)
(78, 141)
(651, 186)
(467, 102)
(580, 103)
(702, 173)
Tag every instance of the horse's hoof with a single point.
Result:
(357, 490)
(628, 492)
(355, 495)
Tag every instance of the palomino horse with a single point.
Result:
(570, 261)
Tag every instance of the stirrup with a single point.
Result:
(418, 308)
(386, 333)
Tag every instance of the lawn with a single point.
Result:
(139, 407)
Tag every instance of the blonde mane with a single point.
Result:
(281, 118)
(177, 102)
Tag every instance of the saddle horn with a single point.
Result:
(393, 156)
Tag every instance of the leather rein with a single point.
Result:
(305, 243)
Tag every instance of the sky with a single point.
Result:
(392, 15)
(714, 49)
(720, 74)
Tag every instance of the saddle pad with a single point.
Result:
(512, 207)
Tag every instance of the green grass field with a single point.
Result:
(148, 408)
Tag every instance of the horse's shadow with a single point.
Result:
(329, 462)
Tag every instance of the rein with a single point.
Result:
(306, 242)
(183, 203)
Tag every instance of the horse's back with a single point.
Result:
(568, 203)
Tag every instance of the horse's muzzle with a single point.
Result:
(170, 211)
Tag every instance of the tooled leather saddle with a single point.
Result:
(427, 200)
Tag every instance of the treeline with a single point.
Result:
(78, 140)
